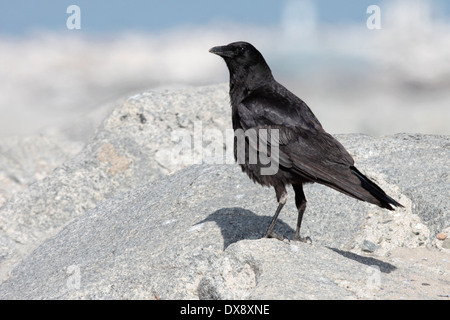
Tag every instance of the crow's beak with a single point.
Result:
(223, 51)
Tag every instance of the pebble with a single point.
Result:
(441, 236)
(368, 246)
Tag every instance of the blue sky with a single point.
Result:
(20, 17)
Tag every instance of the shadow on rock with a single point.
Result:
(239, 224)
(369, 261)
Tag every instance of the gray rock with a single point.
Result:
(110, 222)
(252, 269)
(368, 246)
(182, 237)
(121, 156)
(25, 160)
(158, 239)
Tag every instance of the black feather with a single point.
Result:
(375, 190)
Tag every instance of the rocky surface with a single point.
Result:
(123, 218)
(123, 154)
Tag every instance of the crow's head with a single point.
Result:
(243, 59)
(240, 52)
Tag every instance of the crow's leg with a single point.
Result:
(281, 198)
(300, 202)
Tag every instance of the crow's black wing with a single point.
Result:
(301, 135)
(304, 147)
(275, 105)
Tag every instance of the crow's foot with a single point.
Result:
(304, 239)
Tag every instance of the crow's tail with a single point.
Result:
(384, 200)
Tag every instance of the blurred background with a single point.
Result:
(355, 79)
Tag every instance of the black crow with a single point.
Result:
(306, 153)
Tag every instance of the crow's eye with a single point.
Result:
(241, 50)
